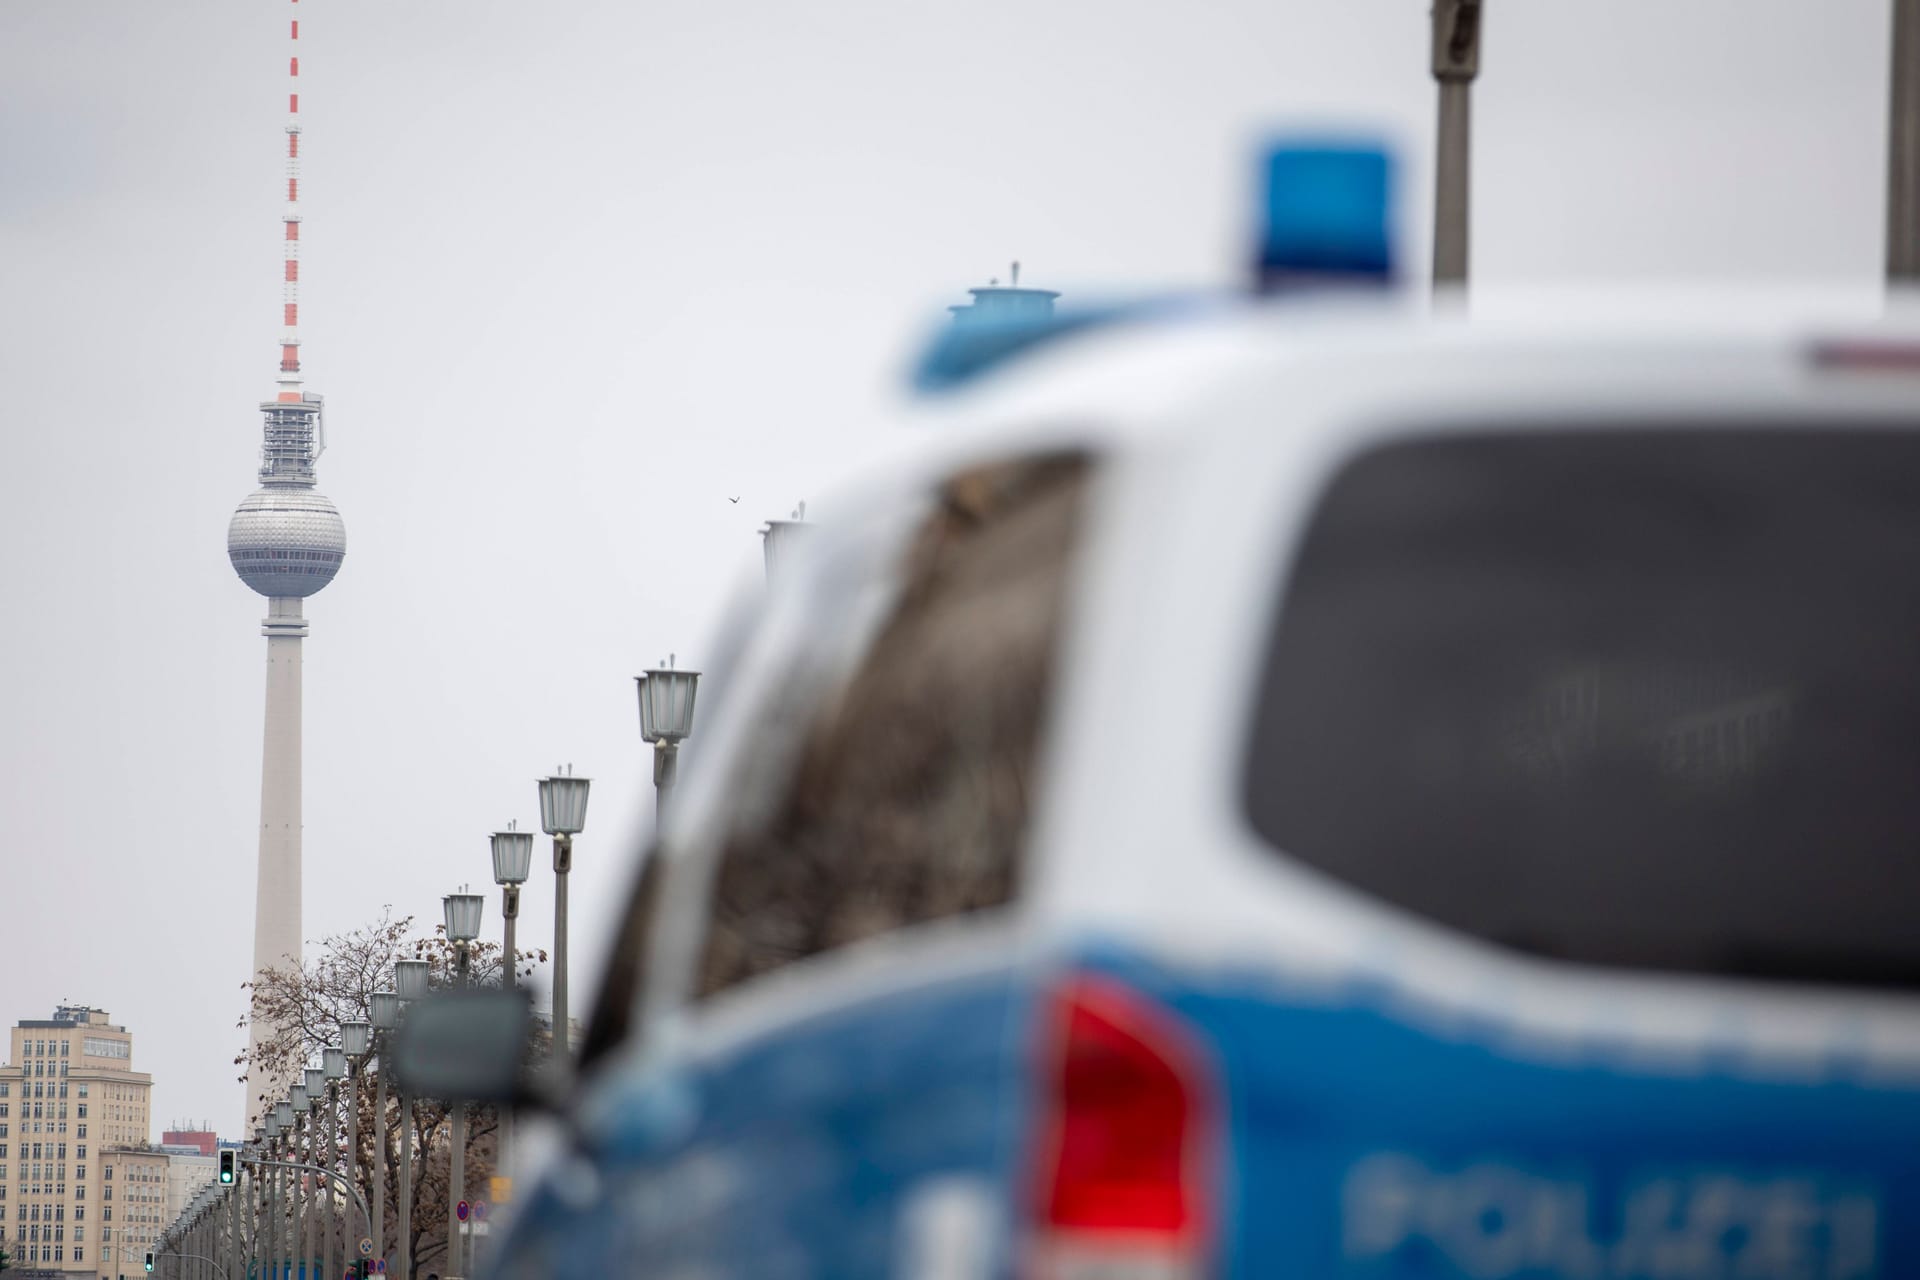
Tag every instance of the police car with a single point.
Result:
(1306, 788)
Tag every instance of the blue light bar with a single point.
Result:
(1326, 215)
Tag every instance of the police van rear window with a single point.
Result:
(1646, 698)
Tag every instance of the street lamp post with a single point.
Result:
(383, 1010)
(512, 860)
(333, 1061)
(356, 1038)
(1456, 61)
(666, 720)
(563, 813)
(410, 981)
(290, 1112)
(276, 1126)
(463, 926)
(319, 1211)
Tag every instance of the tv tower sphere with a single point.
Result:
(286, 541)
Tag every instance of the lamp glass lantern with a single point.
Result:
(563, 804)
(356, 1037)
(316, 1085)
(383, 1010)
(283, 1112)
(333, 1061)
(512, 856)
(410, 978)
(666, 704)
(462, 912)
(271, 1128)
(296, 1102)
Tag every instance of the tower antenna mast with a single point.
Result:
(290, 310)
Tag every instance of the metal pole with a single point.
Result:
(404, 1247)
(379, 1190)
(509, 961)
(1903, 147)
(316, 1207)
(457, 1151)
(297, 1233)
(666, 767)
(329, 1219)
(302, 1200)
(353, 1134)
(562, 863)
(1456, 61)
(236, 1252)
(276, 1227)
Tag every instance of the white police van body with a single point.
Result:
(1466, 829)
(1308, 790)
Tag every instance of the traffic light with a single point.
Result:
(149, 1259)
(229, 1167)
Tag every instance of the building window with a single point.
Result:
(83, 1131)
(83, 1088)
(82, 1112)
(79, 1254)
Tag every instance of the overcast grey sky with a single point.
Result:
(574, 275)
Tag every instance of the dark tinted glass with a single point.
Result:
(1645, 698)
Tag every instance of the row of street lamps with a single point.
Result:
(289, 1222)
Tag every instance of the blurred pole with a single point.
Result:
(1903, 147)
(353, 1151)
(379, 1172)
(457, 1151)
(1456, 61)
(666, 770)
(403, 1247)
(236, 1251)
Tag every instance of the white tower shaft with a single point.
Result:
(276, 906)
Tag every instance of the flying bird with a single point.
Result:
(733, 499)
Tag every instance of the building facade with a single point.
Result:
(74, 1120)
(187, 1171)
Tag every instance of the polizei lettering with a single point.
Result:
(1494, 1220)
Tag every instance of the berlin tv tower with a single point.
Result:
(286, 542)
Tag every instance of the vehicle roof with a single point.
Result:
(1107, 382)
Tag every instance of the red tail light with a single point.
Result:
(1125, 1135)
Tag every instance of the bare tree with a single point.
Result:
(305, 1006)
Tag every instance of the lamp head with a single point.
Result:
(563, 804)
(462, 912)
(356, 1036)
(410, 978)
(512, 856)
(666, 703)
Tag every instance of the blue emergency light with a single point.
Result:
(1326, 212)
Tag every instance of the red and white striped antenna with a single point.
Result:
(290, 313)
